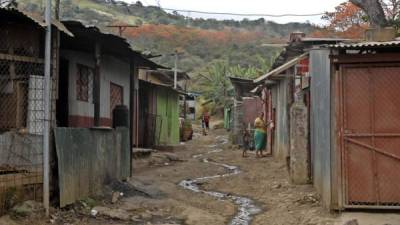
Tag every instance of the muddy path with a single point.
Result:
(247, 208)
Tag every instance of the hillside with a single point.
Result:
(204, 42)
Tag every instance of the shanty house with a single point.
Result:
(159, 107)
(97, 92)
(355, 125)
(90, 54)
(278, 96)
(188, 105)
(286, 95)
(21, 104)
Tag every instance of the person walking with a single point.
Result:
(203, 127)
(260, 135)
(206, 119)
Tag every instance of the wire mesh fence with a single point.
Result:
(371, 136)
(21, 118)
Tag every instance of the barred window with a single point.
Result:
(116, 96)
(84, 83)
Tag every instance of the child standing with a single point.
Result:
(246, 142)
(203, 127)
(206, 119)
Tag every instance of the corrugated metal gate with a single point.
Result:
(370, 140)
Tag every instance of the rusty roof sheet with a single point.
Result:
(367, 45)
(35, 18)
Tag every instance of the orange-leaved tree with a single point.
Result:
(347, 21)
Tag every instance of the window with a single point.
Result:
(116, 96)
(84, 83)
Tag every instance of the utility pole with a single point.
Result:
(185, 102)
(122, 28)
(176, 70)
(57, 10)
(46, 130)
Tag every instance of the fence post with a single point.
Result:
(46, 130)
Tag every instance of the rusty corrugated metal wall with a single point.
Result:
(252, 107)
(90, 158)
(147, 114)
(244, 113)
(281, 103)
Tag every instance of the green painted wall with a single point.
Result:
(167, 125)
(227, 117)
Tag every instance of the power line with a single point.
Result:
(244, 14)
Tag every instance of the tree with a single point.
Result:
(347, 21)
(139, 4)
(217, 83)
(374, 10)
(250, 72)
(391, 9)
(350, 19)
(346, 16)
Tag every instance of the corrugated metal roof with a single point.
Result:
(37, 19)
(242, 86)
(169, 75)
(282, 68)
(367, 45)
(169, 86)
(114, 43)
(166, 79)
(259, 88)
(311, 39)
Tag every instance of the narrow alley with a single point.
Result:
(205, 181)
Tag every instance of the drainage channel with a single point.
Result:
(247, 208)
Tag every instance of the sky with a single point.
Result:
(251, 7)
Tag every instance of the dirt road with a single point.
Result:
(207, 182)
(262, 180)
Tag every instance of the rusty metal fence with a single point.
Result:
(150, 131)
(21, 120)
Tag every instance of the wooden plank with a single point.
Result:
(21, 58)
(20, 179)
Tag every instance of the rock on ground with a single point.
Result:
(118, 214)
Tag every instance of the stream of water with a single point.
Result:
(247, 209)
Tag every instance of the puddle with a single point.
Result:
(247, 208)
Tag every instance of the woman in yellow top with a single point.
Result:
(260, 135)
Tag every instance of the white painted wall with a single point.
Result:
(191, 103)
(116, 71)
(112, 70)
